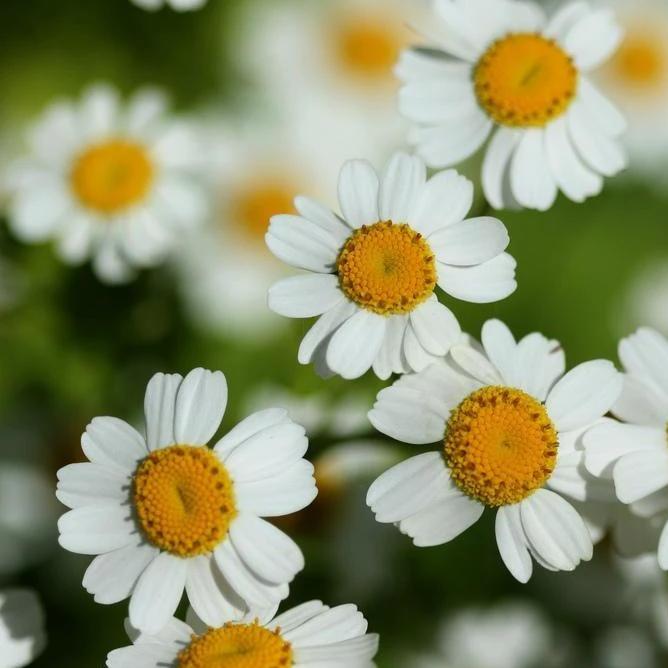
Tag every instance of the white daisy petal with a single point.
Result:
(355, 344)
(305, 296)
(358, 193)
(96, 529)
(573, 177)
(402, 182)
(565, 18)
(324, 327)
(438, 100)
(158, 592)
(39, 210)
(265, 549)
(251, 426)
(532, 182)
(599, 151)
(639, 474)
(607, 442)
(476, 364)
(211, 597)
(389, 359)
(114, 443)
(111, 577)
(435, 327)
(159, 407)
(584, 394)
(497, 158)
(470, 242)
(598, 106)
(593, 38)
(555, 530)
(645, 355)
(90, 484)
(488, 282)
(322, 217)
(302, 244)
(512, 543)
(641, 402)
(444, 146)
(200, 406)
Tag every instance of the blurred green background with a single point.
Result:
(72, 348)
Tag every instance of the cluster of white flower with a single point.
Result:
(561, 457)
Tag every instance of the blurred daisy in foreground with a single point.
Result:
(332, 61)
(226, 266)
(178, 5)
(374, 269)
(310, 635)
(636, 78)
(646, 299)
(501, 68)
(27, 516)
(510, 635)
(108, 182)
(634, 451)
(168, 513)
(508, 417)
(22, 636)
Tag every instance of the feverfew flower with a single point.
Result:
(501, 68)
(633, 452)
(374, 269)
(310, 635)
(166, 513)
(508, 418)
(636, 78)
(108, 182)
(22, 636)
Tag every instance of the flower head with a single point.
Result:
(166, 513)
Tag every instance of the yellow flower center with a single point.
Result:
(387, 268)
(256, 203)
(525, 80)
(641, 59)
(184, 500)
(500, 446)
(237, 646)
(369, 46)
(112, 176)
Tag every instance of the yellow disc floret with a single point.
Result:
(184, 500)
(525, 80)
(387, 268)
(255, 203)
(642, 59)
(368, 46)
(237, 646)
(112, 176)
(500, 445)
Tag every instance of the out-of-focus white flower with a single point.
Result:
(27, 516)
(332, 61)
(646, 301)
(510, 635)
(502, 68)
(636, 78)
(258, 170)
(178, 5)
(108, 182)
(22, 636)
(625, 647)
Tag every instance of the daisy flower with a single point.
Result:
(501, 68)
(22, 636)
(108, 182)
(636, 78)
(509, 635)
(312, 634)
(374, 269)
(507, 417)
(166, 513)
(633, 451)
(28, 513)
(178, 5)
